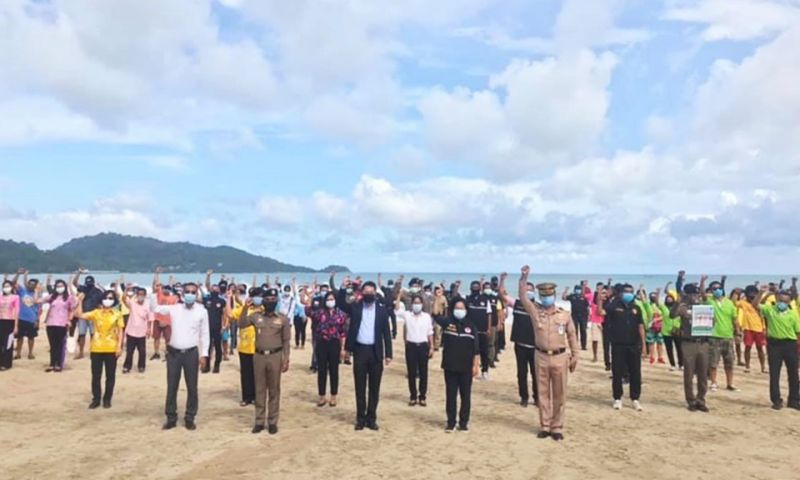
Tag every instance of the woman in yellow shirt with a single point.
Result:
(106, 345)
(246, 348)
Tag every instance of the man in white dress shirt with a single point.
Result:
(190, 337)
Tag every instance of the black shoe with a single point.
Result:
(608, 368)
(463, 428)
(692, 407)
(492, 365)
(140, 370)
(169, 425)
(258, 429)
(449, 429)
(216, 369)
(94, 404)
(557, 437)
(348, 362)
(523, 403)
(542, 434)
(373, 426)
(190, 425)
(106, 403)
(155, 356)
(702, 408)
(126, 370)
(775, 406)
(794, 406)
(205, 370)
(272, 429)
(359, 426)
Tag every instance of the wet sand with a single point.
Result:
(47, 431)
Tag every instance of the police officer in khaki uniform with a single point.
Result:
(273, 335)
(556, 354)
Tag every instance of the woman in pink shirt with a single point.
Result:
(596, 319)
(9, 319)
(140, 325)
(59, 316)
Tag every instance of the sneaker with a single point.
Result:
(450, 429)
(484, 376)
(714, 387)
(701, 407)
(463, 429)
(617, 405)
(637, 406)
(671, 369)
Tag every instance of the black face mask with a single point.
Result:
(368, 298)
(476, 291)
(271, 306)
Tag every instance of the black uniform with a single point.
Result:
(524, 349)
(317, 303)
(478, 312)
(622, 324)
(606, 339)
(579, 309)
(460, 344)
(215, 305)
(388, 300)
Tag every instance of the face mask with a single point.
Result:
(460, 313)
(271, 306)
(286, 294)
(531, 295)
(349, 291)
(414, 289)
(330, 303)
(189, 298)
(782, 306)
(129, 294)
(627, 297)
(258, 301)
(60, 290)
(549, 300)
(718, 293)
(7, 290)
(416, 308)
(476, 290)
(323, 293)
(141, 300)
(108, 303)
(368, 298)
(487, 291)
(242, 298)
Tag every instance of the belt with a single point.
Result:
(269, 352)
(695, 340)
(557, 351)
(417, 344)
(180, 350)
(524, 345)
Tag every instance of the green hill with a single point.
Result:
(124, 253)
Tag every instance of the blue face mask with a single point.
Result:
(782, 306)
(549, 301)
(189, 298)
(627, 297)
(257, 301)
(718, 293)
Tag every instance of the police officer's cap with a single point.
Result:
(546, 289)
(691, 289)
(271, 292)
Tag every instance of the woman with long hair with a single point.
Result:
(460, 361)
(329, 326)
(59, 315)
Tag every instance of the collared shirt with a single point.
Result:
(140, 318)
(272, 332)
(329, 325)
(60, 312)
(748, 317)
(366, 331)
(189, 326)
(418, 327)
(108, 326)
(623, 322)
(781, 325)
(460, 344)
(9, 307)
(724, 317)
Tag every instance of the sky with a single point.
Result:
(580, 136)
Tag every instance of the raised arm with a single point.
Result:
(332, 281)
(19, 272)
(508, 299)
(703, 279)
(523, 294)
(680, 281)
(208, 279)
(156, 279)
(565, 294)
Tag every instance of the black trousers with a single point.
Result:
(56, 337)
(185, 363)
(393, 319)
(483, 347)
(247, 377)
(626, 362)
(132, 344)
(525, 361)
(367, 372)
(6, 354)
(606, 349)
(779, 353)
(673, 344)
(500, 341)
(215, 332)
(417, 367)
(458, 384)
(299, 331)
(328, 358)
(100, 361)
(580, 328)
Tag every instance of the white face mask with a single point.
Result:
(7, 290)
(460, 313)
(129, 294)
(417, 307)
(60, 290)
(108, 303)
(330, 303)
(487, 291)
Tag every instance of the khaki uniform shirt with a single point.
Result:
(272, 331)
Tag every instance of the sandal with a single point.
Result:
(423, 403)
(322, 403)
(243, 403)
(411, 403)
(31, 357)
(331, 404)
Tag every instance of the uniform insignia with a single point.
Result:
(467, 330)
(277, 321)
(219, 305)
(561, 329)
(452, 328)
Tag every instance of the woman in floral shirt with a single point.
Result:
(329, 325)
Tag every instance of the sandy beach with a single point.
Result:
(48, 432)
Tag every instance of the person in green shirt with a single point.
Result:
(725, 327)
(670, 327)
(783, 326)
(653, 324)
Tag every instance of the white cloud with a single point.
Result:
(736, 19)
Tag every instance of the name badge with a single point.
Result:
(561, 329)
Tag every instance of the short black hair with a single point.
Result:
(139, 290)
(190, 284)
(369, 283)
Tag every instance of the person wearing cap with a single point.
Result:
(522, 336)
(556, 354)
(783, 326)
(92, 298)
(273, 343)
(389, 300)
(479, 313)
(695, 347)
(726, 327)
(624, 323)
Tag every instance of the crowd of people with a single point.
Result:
(697, 325)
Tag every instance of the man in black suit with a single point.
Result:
(369, 334)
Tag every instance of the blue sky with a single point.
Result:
(467, 135)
